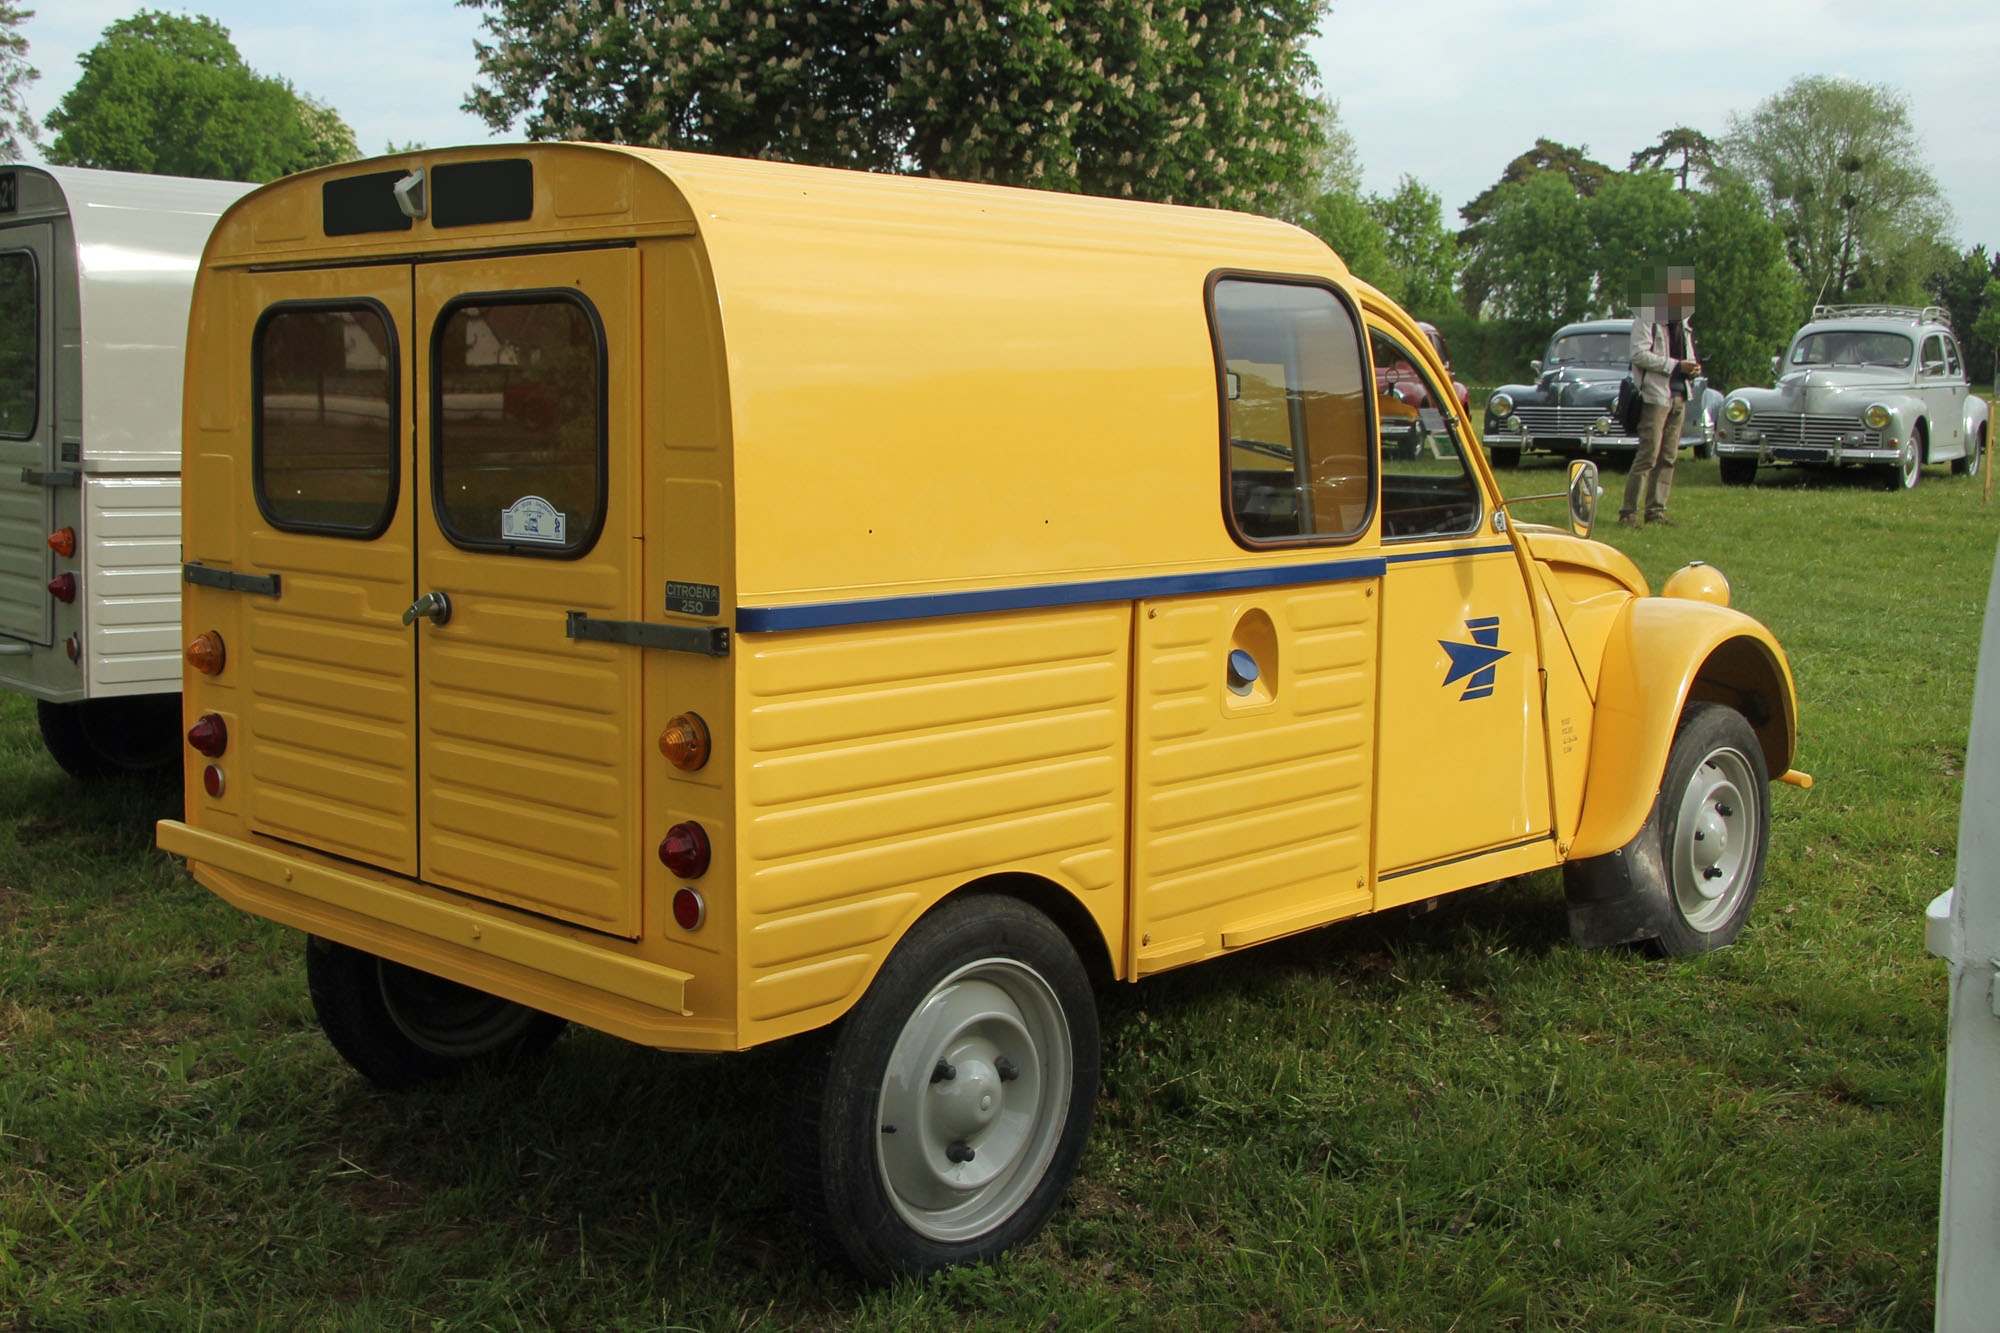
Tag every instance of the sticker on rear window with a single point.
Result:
(532, 519)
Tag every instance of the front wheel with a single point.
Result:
(401, 1027)
(940, 1122)
(1686, 881)
(1737, 471)
(1908, 469)
(1505, 457)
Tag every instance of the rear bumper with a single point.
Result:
(558, 969)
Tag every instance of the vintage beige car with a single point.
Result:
(1875, 385)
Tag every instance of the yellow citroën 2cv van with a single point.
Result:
(715, 601)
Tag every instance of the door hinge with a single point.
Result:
(229, 580)
(60, 477)
(708, 640)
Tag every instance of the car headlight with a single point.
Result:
(1877, 416)
(1500, 405)
(1736, 411)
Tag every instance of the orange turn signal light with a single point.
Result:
(63, 542)
(205, 654)
(685, 742)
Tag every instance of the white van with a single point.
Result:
(96, 268)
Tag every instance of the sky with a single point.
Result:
(1448, 91)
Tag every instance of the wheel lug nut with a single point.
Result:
(1724, 810)
(1701, 837)
(959, 1151)
(1713, 872)
(1006, 1070)
(943, 1073)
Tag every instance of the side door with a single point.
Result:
(1461, 767)
(528, 491)
(1952, 392)
(1254, 691)
(27, 429)
(1944, 398)
(313, 504)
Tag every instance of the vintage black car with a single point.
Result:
(1570, 409)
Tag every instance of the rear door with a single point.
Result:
(27, 430)
(527, 492)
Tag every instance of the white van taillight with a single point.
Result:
(63, 587)
(63, 542)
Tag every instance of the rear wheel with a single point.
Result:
(940, 1122)
(1737, 471)
(401, 1027)
(1968, 466)
(99, 738)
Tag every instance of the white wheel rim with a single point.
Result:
(960, 1152)
(1715, 839)
(1978, 452)
(1908, 463)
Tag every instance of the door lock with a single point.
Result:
(436, 605)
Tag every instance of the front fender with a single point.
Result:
(1662, 653)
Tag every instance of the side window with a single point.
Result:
(1951, 363)
(20, 344)
(1427, 489)
(1297, 448)
(1932, 362)
(517, 408)
(323, 449)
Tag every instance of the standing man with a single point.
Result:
(1663, 364)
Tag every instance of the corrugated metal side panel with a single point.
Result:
(132, 583)
(24, 555)
(1251, 816)
(886, 765)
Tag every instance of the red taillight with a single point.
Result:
(73, 645)
(689, 910)
(211, 780)
(685, 850)
(209, 735)
(685, 742)
(205, 654)
(63, 587)
(63, 542)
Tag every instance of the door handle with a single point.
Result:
(436, 605)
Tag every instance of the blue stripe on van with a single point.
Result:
(1447, 554)
(823, 615)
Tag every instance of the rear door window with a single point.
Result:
(518, 462)
(324, 452)
(20, 344)
(1299, 455)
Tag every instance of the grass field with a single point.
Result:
(1450, 1121)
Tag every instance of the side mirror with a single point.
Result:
(1776, 361)
(1584, 493)
(1535, 366)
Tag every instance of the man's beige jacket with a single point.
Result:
(1652, 366)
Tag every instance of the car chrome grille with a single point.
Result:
(1543, 420)
(1817, 432)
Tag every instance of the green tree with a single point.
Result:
(1749, 301)
(1343, 220)
(1208, 102)
(1574, 166)
(1332, 166)
(1961, 286)
(1987, 329)
(1838, 165)
(169, 94)
(18, 131)
(1537, 255)
(1697, 152)
(1418, 244)
(1639, 223)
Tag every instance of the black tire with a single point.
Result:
(1686, 882)
(885, 1101)
(1968, 466)
(1737, 471)
(1505, 457)
(1908, 470)
(1704, 451)
(135, 734)
(400, 1027)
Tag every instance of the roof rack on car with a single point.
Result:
(1930, 314)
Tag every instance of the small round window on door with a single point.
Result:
(517, 412)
